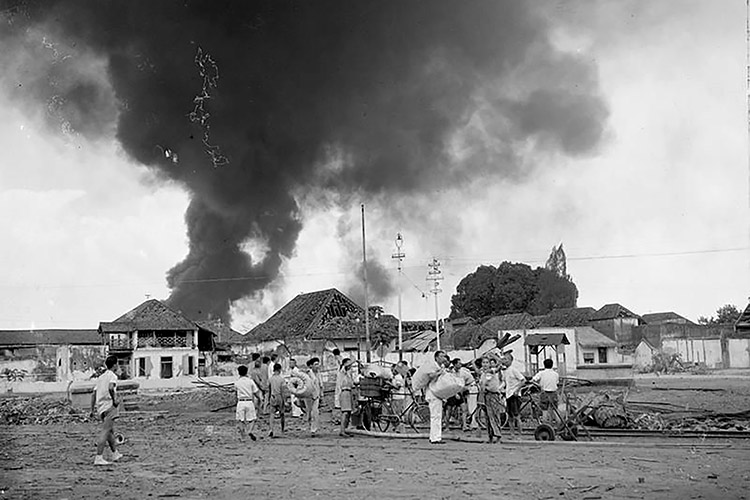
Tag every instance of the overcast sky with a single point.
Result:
(656, 218)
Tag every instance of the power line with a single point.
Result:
(454, 259)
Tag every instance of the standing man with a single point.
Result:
(105, 403)
(247, 395)
(547, 380)
(312, 402)
(514, 381)
(423, 378)
(295, 371)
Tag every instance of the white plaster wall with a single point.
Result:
(739, 353)
(643, 356)
(155, 355)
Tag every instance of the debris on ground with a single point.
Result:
(38, 410)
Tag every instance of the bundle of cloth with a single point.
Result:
(300, 384)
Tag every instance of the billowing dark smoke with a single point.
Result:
(244, 102)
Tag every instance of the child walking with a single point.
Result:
(248, 395)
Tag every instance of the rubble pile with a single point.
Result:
(606, 410)
(706, 421)
(37, 410)
(190, 400)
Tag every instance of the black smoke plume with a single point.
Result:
(246, 102)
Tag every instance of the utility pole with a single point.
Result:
(400, 256)
(435, 275)
(364, 275)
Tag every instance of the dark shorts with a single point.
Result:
(547, 399)
(513, 404)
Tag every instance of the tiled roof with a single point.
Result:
(151, 315)
(743, 322)
(588, 337)
(663, 317)
(566, 317)
(49, 337)
(612, 311)
(516, 321)
(303, 315)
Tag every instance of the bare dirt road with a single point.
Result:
(189, 452)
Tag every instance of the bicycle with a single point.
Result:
(478, 415)
(376, 407)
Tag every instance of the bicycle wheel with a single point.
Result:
(383, 420)
(418, 416)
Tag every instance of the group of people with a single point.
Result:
(264, 390)
(492, 379)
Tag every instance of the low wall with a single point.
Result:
(603, 372)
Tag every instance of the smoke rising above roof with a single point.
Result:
(247, 103)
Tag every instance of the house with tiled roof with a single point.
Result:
(742, 325)
(667, 317)
(53, 355)
(154, 341)
(302, 323)
(566, 317)
(617, 322)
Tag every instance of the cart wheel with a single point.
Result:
(544, 432)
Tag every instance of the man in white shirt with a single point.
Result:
(312, 402)
(514, 381)
(423, 378)
(547, 380)
(248, 395)
(105, 404)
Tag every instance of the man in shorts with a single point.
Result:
(248, 395)
(105, 405)
(547, 380)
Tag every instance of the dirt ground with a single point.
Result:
(187, 451)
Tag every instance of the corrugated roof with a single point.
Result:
(150, 315)
(612, 311)
(589, 337)
(423, 341)
(546, 339)
(10, 338)
(566, 317)
(303, 315)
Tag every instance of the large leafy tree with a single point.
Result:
(512, 288)
(725, 315)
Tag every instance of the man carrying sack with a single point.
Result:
(425, 378)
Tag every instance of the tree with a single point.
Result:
(511, 288)
(727, 314)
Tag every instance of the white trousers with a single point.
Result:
(436, 416)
